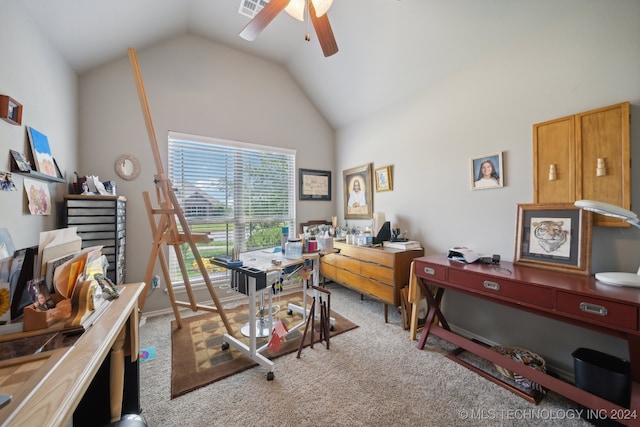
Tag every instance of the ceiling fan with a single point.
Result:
(317, 11)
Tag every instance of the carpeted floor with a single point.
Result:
(371, 376)
(197, 355)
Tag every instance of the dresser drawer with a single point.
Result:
(328, 270)
(329, 259)
(377, 289)
(430, 271)
(614, 313)
(377, 272)
(521, 293)
(348, 263)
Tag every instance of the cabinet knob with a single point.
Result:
(601, 168)
(553, 174)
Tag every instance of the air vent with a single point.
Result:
(251, 8)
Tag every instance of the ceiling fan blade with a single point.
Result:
(262, 19)
(323, 31)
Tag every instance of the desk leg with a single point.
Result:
(434, 309)
(116, 379)
(634, 359)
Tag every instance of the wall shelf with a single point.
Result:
(39, 175)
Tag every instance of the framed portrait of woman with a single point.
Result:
(358, 199)
(487, 172)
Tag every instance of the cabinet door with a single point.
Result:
(554, 150)
(603, 135)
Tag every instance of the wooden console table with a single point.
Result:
(379, 272)
(565, 297)
(49, 385)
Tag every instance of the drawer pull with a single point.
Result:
(593, 309)
(491, 285)
(429, 270)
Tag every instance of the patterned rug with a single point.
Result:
(197, 356)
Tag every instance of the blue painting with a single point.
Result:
(41, 152)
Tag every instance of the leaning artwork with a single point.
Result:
(38, 196)
(41, 152)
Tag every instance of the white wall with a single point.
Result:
(47, 88)
(580, 62)
(193, 86)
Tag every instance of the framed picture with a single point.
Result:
(383, 179)
(21, 163)
(314, 184)
(41, 152)
(487, 172)
(554, 236)
(358, 195)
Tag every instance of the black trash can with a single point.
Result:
(604, 375)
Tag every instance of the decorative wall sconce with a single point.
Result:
(601, 169)
(553, 175)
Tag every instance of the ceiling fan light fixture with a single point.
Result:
(321, 6)
(296, 8)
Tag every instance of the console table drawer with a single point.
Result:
(622, 315)
(524, 294)
(430, 271)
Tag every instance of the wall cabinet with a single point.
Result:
(378, 272)
(101, 220)
(584, 156)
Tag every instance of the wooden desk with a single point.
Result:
(60, 378)
(569, 298)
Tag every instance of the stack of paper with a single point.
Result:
(409, 244)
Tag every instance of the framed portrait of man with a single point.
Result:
(358, 199)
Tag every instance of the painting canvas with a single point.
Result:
(38, 196)
(41, 152)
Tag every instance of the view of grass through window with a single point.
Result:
(240, 194)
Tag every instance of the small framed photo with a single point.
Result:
(314, 184)
(21, 163)
(554, 236)
(358, 195)
(383, 179)
(487, 172)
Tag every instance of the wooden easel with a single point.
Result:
(164, 226)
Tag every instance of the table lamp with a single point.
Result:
(614, 278)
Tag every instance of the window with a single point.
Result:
(241, 194)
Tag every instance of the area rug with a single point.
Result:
(197, 357)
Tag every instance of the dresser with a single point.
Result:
(566, 297)
(101, 221)
(375, 271)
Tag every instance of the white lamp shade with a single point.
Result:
(321, 6)
(295, 8)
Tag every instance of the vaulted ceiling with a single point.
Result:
(389, 49)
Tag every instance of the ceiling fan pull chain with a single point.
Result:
(307, 34)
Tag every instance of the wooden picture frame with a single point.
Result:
(554, 236)
(358, 201)
(383, 179)
(493, 179)
(20, 162)
(10, 110)
(314, 184)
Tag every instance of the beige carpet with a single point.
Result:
(197, 355)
